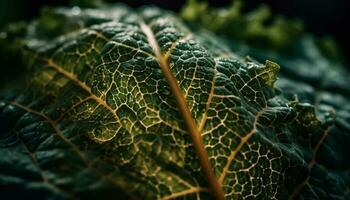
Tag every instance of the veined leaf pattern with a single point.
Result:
(97, 117)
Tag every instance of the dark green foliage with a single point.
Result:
(95, 119)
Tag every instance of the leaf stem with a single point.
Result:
(186, 114)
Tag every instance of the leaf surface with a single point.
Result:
(97, 117)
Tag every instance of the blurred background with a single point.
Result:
(321, 17)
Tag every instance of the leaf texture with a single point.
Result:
(96, 117)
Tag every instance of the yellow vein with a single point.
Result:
(100, 35)
(210, 97)
(254, 78)
(170, 50)
(244, 140)
(72, 145)
(81, 84)
(73, 35)
(195, 134)
(71, 108)
(132, 48)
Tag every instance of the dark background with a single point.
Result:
(322, 17)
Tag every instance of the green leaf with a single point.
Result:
(99, 116)
(257, 27)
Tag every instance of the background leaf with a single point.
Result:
(96, 118)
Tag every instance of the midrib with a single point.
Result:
(194, 132)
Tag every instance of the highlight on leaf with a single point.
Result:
(150, 104)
